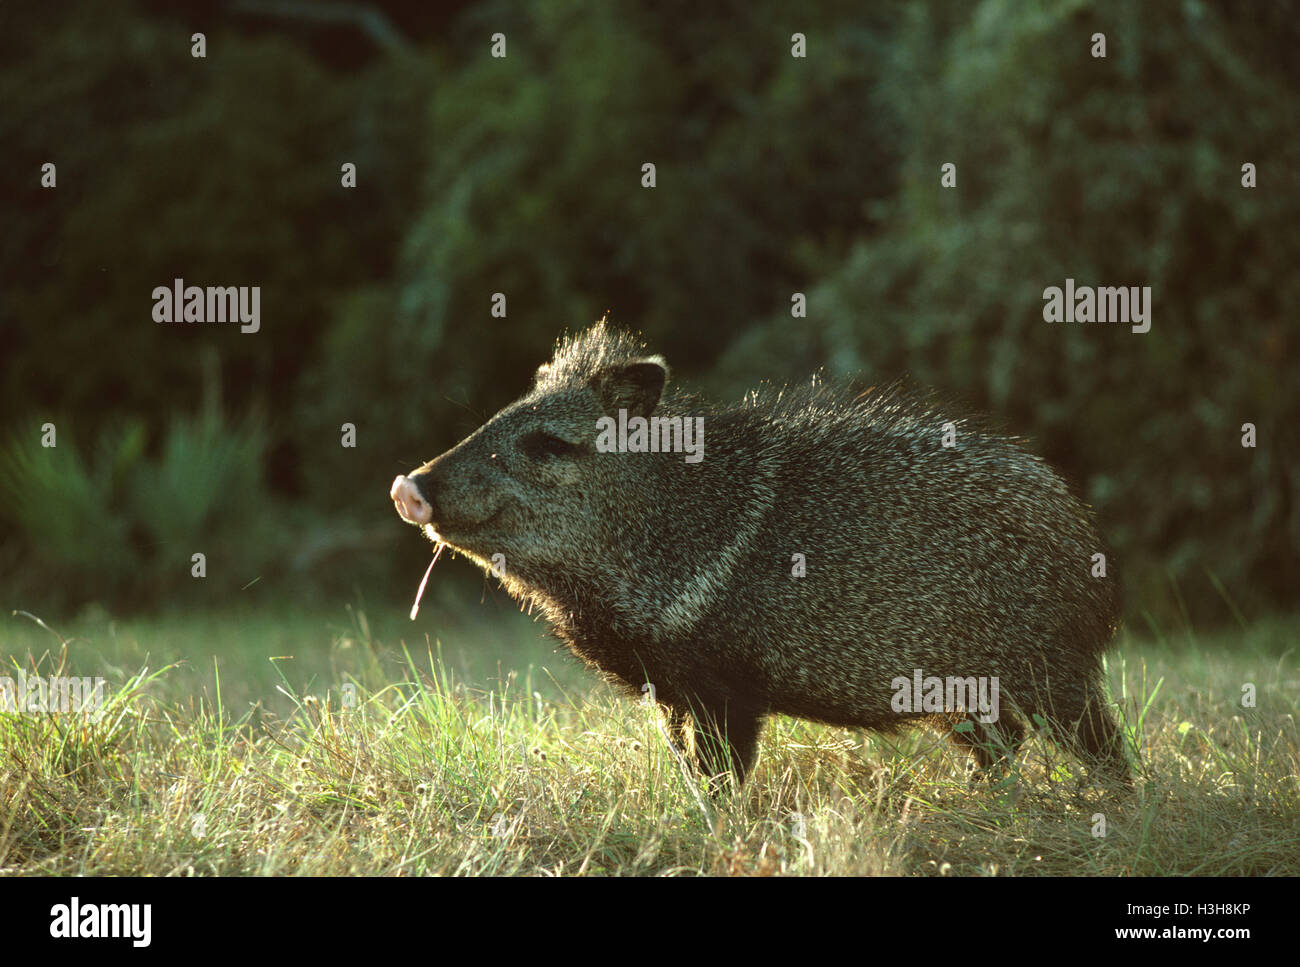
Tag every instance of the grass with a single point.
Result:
(376, 750)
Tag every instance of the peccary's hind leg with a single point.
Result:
(1081, 722)
(725, 736)
(1101, 743)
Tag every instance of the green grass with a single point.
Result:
(331, 745)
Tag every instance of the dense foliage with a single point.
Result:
(522, 175)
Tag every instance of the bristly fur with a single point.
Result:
(578, 358)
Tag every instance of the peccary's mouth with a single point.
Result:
(466, 536)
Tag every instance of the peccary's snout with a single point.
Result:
(412, 505)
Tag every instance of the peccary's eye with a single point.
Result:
(540, 445)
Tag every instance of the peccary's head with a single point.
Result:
(529, 483)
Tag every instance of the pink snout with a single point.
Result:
(410, 505)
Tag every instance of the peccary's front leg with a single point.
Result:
(726, 737)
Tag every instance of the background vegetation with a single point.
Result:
(521, 175)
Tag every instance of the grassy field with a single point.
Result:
(325, 744)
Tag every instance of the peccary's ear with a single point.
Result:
(633, 386)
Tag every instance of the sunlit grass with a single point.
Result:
(378, 751)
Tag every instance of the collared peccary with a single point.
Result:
(810, 553)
